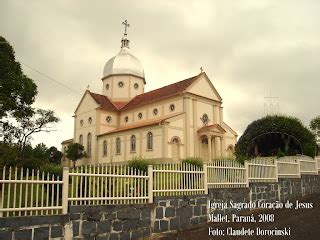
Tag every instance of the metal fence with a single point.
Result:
(226, 173)
(308, 165)
(177, 179)
(28, 192)
(289, 167)
(262, 170)
(107, 184)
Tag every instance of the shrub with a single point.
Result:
(280, 153)
(140, 163)
(271, 132)
(51, 168)
(194, 161)
(309, 149)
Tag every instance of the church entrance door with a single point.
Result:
(204, 148)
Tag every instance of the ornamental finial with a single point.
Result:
(125, 41)
(126, 25)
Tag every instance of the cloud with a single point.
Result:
(248, 48)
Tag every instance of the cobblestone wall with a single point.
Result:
(35, 227)
(171, 213)
(285, 188)
(111, 222)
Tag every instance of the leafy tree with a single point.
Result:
(75, 151)
(41, 151)
(54, 155)
(272, 133)
(23, 128)
(17, 90)
(315, 123)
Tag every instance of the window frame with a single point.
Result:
(133, 144)
(118, 146)
(149, 141)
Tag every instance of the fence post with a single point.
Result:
(150, 183)
(276, 169)
(247, 172)
(205, 178)
(65, 186)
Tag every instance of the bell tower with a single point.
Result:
(123, 75)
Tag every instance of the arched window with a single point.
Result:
(149, 141)
(81, 139)
(118, 146)
(105, 148)
(89, 145)
(133, 143)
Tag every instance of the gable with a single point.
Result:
(203, 87)
(86, 104)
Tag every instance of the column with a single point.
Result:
(199, 147)
(223, 147)
(209, 148)
(217, 145)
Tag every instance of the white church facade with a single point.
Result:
(183, 119)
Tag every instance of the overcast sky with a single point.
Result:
(247, 48)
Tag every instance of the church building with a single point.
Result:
(183, 119)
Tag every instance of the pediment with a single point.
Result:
(214, 128)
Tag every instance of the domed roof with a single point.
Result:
(123, 63)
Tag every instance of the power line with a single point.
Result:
(50, 78)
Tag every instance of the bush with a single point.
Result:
(270, 133)
(309, 149)
(280, 153)
(194, 161)
(140, 163)
(51, 168)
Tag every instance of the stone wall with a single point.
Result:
(111, 222)
(140, 220)
(33, 227)
(172, 213)
(285, 188)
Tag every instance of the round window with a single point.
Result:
(108, 119)
(81, 123)
(136, 85)
(155, 111)
(90, 120)
(140, 115)
(121, 84)
(126, 119)
(107, 86)
(172, 107)
(205, 119)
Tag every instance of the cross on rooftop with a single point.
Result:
(126, 25)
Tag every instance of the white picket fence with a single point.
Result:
(289, 167)
(26, 192)
(226, 174)
(308, 165)
(178, 179)
(107, 184)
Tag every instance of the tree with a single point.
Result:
(315, 123)
(54, 155)
(17, 90)
(75, 151)
(23, 128)
(268, 135)
(41, 151)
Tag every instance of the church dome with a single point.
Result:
(124, 63)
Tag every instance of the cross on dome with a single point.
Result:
(124, 40)
(126, 25)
